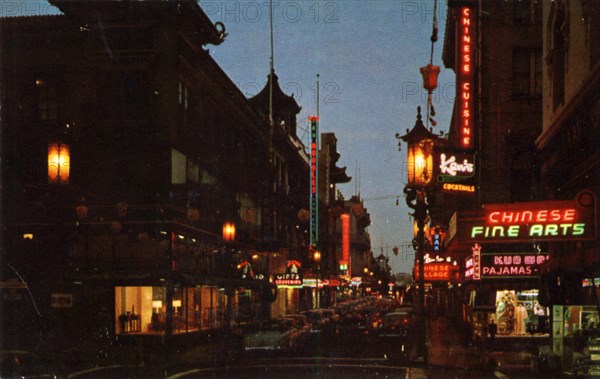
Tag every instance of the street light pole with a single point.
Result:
(317, 258)
(419, 196)
(416, 199)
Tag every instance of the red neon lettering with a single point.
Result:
(466, 68)
(569, 215)
(538, 216)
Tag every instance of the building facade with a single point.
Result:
(569, 149)
(135, 197)
(498, 109)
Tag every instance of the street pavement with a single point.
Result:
(449, 357)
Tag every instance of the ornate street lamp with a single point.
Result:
(419, 196)
(59, 163)
(317, 259)
(229, 232)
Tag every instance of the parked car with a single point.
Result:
(24, 365)
(302, 327)
(352, 330)
(405, 308)
(272, 335)
(330, 315)
(317, 320)
(394, 334)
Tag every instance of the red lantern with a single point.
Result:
(430, 75)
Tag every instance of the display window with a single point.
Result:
(581, 320)
(140, 309)
(518, 313)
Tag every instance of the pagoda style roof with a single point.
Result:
(282, 103)
(338, 175)
(419, 131)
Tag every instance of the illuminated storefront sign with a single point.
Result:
(345, 217)
(464, 79)
(314, 179)
(469, 269)
(437, 272)
(562, 220)
(455, 171)
(288, 279)
(476, 249)
(454, 167)
(310, 282)
(292, 276)
(456, 187)
(507, 265)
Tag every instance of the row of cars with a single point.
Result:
(368, 323)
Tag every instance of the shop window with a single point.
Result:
(143, 310)
(183, 95)
(527, 72)
(178, 167)
(518, 313)
(581, 320)
(47, 100)
(193, 172)
(527, 12)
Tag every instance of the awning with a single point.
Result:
(158, 278)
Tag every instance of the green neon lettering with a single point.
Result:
(578, 229)
(551, 230)
(536, 230)
(513, 231)
(476, 230)
(500, 230)
(565, 228)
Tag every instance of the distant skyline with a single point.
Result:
(368, 55)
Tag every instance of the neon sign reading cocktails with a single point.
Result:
(542, 221)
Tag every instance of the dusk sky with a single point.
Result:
(368, 55)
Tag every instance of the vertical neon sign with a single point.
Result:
(464, 77)
(345, 238)
(314, 180)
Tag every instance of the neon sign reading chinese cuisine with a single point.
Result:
(543, 221)
(465, 85)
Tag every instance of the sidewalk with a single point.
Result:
(448, 350)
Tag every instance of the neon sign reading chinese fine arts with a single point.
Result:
(558, 220)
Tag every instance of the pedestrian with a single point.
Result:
(492, 329)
